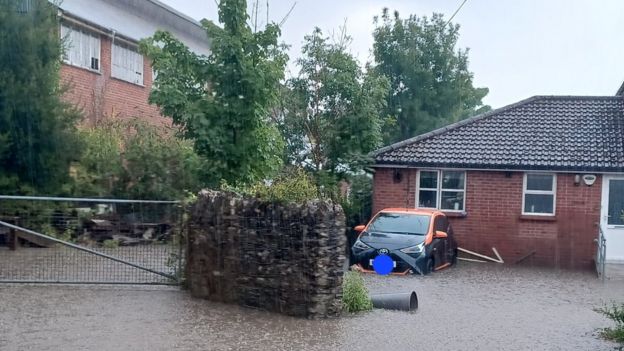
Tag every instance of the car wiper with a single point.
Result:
(408, 233)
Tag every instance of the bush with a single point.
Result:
(289, 186)
(131, 159)
(615, 313)
(355, 295)
(110, 244)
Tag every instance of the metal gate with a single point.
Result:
(90, 241)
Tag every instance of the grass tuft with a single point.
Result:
(615, 313)
(354, 293)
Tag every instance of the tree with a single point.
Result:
(222, 101)
(430, 81)
(331, 112)
(37, 133)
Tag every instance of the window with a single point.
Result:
(82, 47)
(127, 64)
(539, 194)
(442, 190)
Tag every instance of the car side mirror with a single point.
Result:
(359, 228)
(440, 235)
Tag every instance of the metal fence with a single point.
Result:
(600, 254)
(90, 241)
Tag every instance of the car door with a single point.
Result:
(439, 245)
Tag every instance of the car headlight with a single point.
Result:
(360, 245)
(414, 249)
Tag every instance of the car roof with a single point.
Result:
(423, 211)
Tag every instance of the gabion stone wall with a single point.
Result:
(285, 258)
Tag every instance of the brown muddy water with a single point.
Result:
(469, 307)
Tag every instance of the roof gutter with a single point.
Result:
(496, 169)
(108, 32)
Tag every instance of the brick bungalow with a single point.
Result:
(106, 74)
(535, 179)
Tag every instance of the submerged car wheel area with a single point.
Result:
(417, 240)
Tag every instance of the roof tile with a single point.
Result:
(568, 133)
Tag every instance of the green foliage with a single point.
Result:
(221, 102)
(330, 113)
(354, 293)
(291, 185)
(430, 81)
(131, 159)
(37, 139)
(614, 312)
(62, 233)
(110, 244)
(295, 186)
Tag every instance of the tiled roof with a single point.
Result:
(564, 133)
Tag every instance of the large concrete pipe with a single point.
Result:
(400, 301)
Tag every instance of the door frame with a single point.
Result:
(614, 234)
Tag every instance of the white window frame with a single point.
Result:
(66, 30)
(124, 73)
(440, 189)
(552, 192)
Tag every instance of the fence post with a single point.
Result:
(13, 240)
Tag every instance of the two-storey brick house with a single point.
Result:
(106, 75)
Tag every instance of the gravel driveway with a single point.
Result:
(469, 307)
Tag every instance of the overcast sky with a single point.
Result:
(517, 48)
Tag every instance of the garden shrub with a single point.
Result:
(614, 312)
(110, 244)
(135, 160)
(293, 185)
(354, 293)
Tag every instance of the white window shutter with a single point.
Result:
(83, 47)
(127, 64)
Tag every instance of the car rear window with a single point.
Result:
(400, 223)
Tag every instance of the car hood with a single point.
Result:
(378, 240)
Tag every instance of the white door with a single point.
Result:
(612, 216)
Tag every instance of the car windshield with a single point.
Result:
(400, 223)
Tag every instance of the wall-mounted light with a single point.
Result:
(577, 179)
(589, 179)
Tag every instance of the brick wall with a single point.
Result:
(493, 217)
(100, 96)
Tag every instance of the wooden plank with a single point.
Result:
(480, 255)
(39, 241)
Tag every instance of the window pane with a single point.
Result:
(427, 198)
(429, 179)
(616, 202)
(542, 182)
(534, 203)
(452, 200)
(453, 180)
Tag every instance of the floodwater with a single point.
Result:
(469, 307)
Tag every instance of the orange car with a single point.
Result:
(417, 241)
